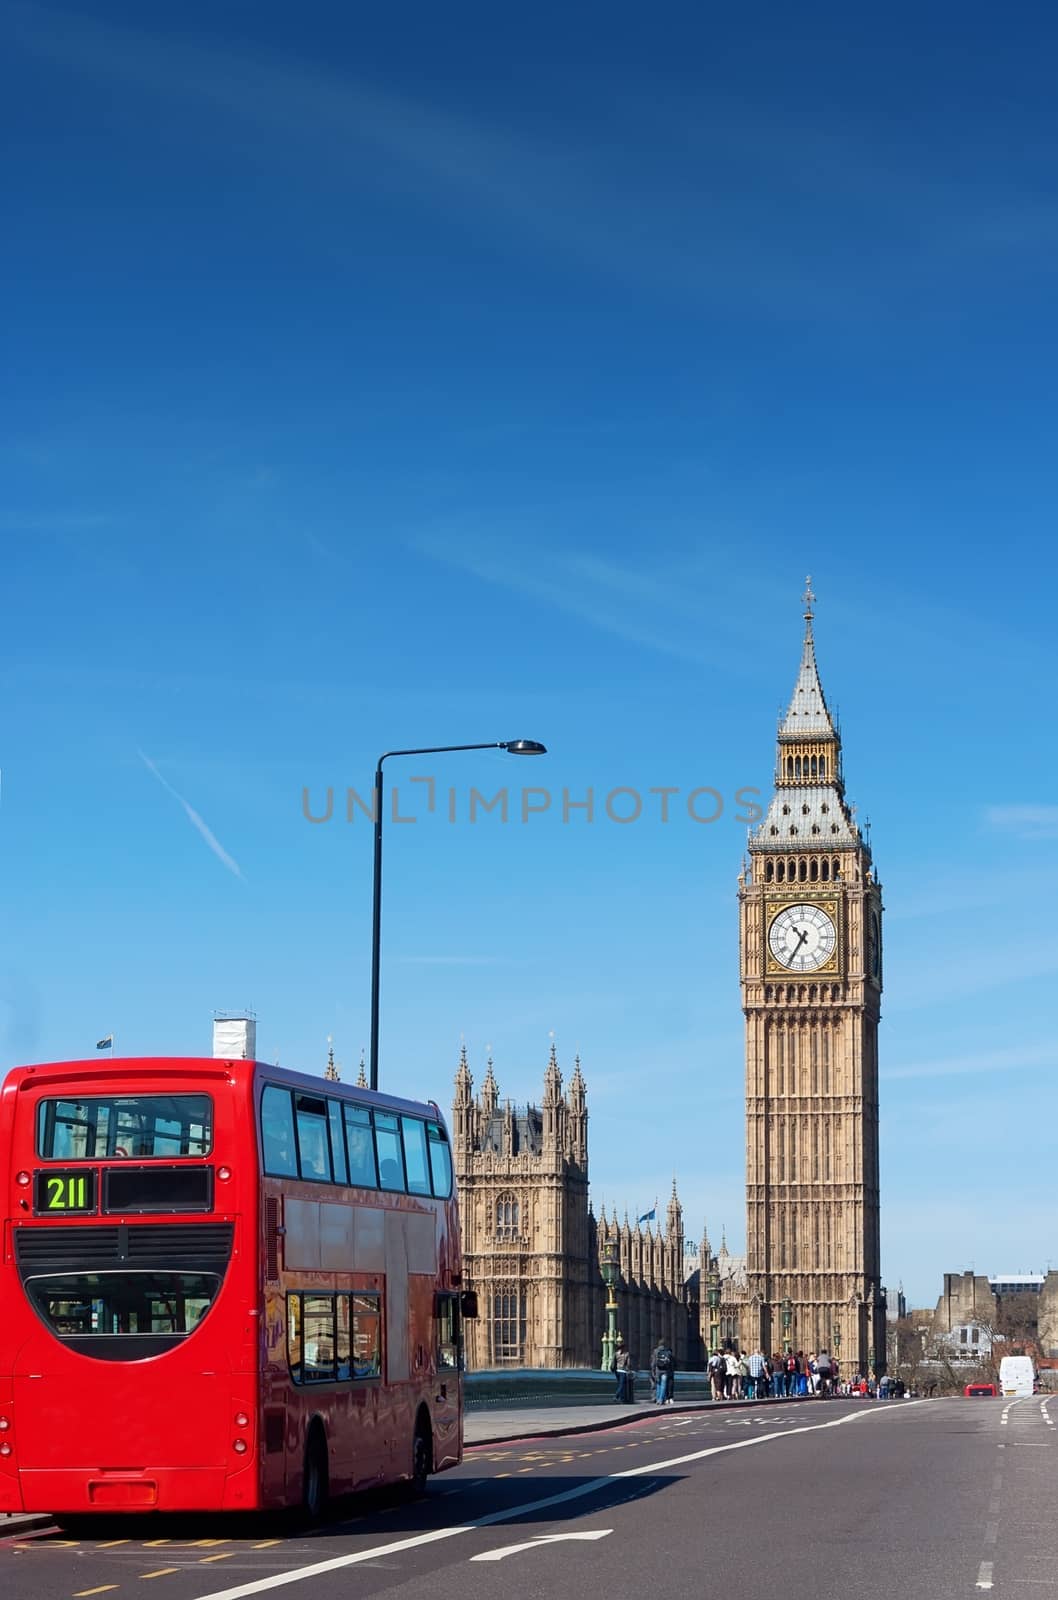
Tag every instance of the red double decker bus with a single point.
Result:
(224, 1287)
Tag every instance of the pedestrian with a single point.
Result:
(732, 1382)
(778, 1375)
(617, 1368)
(662, 1363)
(823, 1369)
(758, 1375)
(625, 1374)
(790, 1366)
(717, 1372)
(745, 1382)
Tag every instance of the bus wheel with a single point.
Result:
(421, 1456)
(314, 1479)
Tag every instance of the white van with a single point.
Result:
(1017, 1375)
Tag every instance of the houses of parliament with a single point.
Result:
(810, 963)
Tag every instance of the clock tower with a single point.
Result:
(810, 935)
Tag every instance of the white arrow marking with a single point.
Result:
(534, 1544)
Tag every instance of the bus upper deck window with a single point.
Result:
(277, 1132)
(440, 1160)
(361, 1145)
(390, 1157)
(313, 1147)
(334, 1117)
(415, 1155)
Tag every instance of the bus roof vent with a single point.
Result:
(234, 1036)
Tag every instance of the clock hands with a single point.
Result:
(800, 942)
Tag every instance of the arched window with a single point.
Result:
(813, 872)
(822, 766)
(507, 1216)
(789, 766)
(780, 871)
(825, 869)
(802, 869)
(813, 766)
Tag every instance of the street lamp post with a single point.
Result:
(609, 1277)
(787, 1318)
(713, 1291)
(514, 747)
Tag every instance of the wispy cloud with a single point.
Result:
(1025, 821)
(638, 608)
(50, 522)
(1018, 1060)
(197, 822)
(452, 961)
(586, 195)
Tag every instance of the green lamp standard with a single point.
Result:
(870, 1360)
(787, 1319)
(609, 1277)
(713, 1295)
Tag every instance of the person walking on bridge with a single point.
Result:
(662, 1363)
(625, 1374)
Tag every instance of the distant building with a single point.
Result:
(966, 1301)
(532, 1246)
(1019, 1306)
(1005, 1284)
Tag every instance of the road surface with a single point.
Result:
(820, 1501)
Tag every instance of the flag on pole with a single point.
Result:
(649, 1216)
(105, 1044)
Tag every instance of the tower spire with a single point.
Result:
(808, 714)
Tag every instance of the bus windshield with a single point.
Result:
(98, 1128)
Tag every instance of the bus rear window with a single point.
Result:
(97, 1312)
(99, 1128)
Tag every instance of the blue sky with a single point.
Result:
(450, 376)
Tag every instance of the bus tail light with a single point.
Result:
(5, 1449)
(23, 1180)
(5, 1423)
(241, 1419)
(239, 1446)
(223, 1173)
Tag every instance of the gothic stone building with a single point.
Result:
(532, 1247)
(810, 936)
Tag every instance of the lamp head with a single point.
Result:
(523, 747)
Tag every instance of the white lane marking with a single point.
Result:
(512, 1513)
(534, 1544)
(984, 1575)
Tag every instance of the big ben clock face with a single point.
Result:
(802, 938)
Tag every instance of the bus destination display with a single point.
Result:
(59, 1192)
